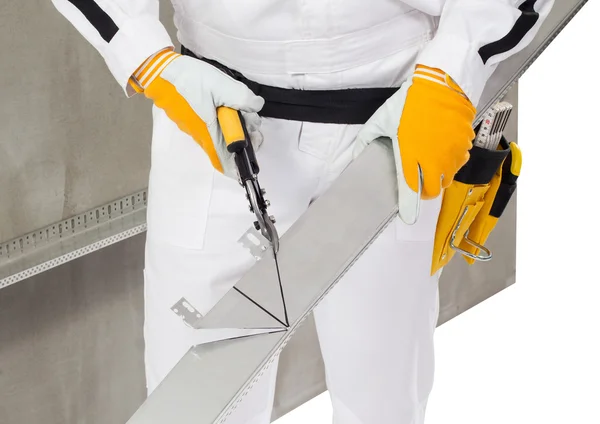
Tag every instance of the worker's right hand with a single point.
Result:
(190, 91)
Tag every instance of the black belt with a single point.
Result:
(346, 106)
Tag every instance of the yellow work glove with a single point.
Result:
(190, 91)
(430, 123)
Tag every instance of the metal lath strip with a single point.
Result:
(67, 240)
(72, 226)
(45, 266)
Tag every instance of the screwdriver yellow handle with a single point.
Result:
(232, 125)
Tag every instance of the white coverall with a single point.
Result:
(376, 327)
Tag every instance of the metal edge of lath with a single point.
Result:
(67, 232)
(72, 238)
(68, 257)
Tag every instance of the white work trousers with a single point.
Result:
(375, 328)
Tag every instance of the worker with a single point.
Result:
(410, 70)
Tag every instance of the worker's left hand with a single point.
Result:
(430, 122)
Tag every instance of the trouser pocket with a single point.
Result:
(473, 188)
(180, 187)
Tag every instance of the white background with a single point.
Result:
(532, 353)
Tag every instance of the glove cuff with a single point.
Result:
(151, 68)
(438, 76)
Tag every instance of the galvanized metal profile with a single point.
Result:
(82, 234)
(72, 238)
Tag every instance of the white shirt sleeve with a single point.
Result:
(125, 32)
(475, 35)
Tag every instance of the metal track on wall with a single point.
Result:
(72, 238)
(85, 233)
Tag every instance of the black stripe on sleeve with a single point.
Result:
(526, 21)
(97, 17)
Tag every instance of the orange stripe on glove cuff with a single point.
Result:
(439, 76)
(151, 69)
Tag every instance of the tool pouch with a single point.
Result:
(475, 185)
(504, 184)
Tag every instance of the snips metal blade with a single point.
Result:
(248, 169)
(263, 236)
(264, 306)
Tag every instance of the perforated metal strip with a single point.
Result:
(72, 238)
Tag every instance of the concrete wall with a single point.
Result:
(69, 138)
(71, 345)
(70, 339)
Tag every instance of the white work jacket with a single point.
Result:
(465, 38)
